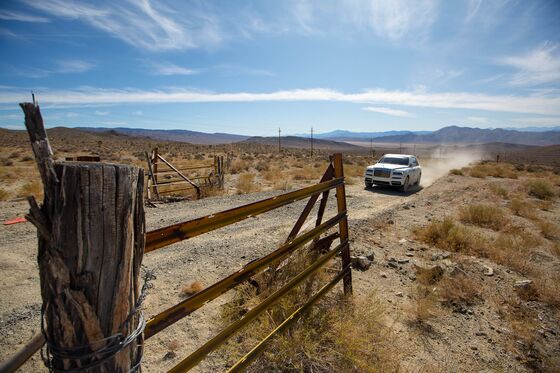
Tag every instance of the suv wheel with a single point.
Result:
(405, 186)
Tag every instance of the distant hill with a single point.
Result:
(533, 129)
(193, 137)
(467, 135)
(343, 135)
(301, 142)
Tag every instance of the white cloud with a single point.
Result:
(138, 113)
(9, 15)
(73, 66)
(111, 123)
(540, 103)
(144, 24)
(540, 66)
(166, 68)
(72, 115)
(481, 120)
(394, 19)
(101, 113)
(388, 111)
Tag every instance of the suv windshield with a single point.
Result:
(393, 160)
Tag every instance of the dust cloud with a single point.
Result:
(434, 168)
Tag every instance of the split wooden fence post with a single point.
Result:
(91, 241)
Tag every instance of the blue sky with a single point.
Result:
(251, 67)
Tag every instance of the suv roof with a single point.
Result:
(399, 155)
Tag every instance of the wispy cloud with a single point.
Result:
(73, 66)
(167, 68)
(9, 15)
(145, 24)
(101, 113)
(539, 66)
(394, 19)
(541, 104)
(138, 113)
(388, 111)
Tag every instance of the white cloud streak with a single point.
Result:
(73, 66)
(9, 15)
(540, 66)
(145, 24)
(387, 111)
(539, 120)
(541, 104)
(481, 120)
(167, 69)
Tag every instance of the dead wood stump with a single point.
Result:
(91, 241)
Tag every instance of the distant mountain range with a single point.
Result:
(193, 137)
(343, 135)
(333, 140)
(302, 142)
(468, 135)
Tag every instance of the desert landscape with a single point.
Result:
(348, 186)
(462, 272)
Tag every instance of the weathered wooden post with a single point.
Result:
(91, 241)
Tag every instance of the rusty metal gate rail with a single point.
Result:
(333, 178)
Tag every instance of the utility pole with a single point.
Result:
(279, 147)
(312, 141)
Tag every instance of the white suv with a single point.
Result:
(399, 170)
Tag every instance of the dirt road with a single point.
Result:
(206, 258)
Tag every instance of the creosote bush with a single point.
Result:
(246, 184)
(3, 194)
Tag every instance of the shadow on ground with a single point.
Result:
(392, 191)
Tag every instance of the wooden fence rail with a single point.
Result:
(159, 238)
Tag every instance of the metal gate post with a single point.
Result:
(343, 225)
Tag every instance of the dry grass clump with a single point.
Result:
(522, 207)
(513, 250)
(450, 236)
(335, 335)
(500, 170)
(540, 188)
(306, 173)
(423, 308)
(31, 188)
(499, 191)
(549, 230)
(456, 171)
(458, 290)
(3, 194)
(192, 288)
(238, 166)
(485, 216)
(246, 184)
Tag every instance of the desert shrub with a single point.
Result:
(192, 288)
(26, 158)
(499, 190)
(7, 162)
(458, 290)
(423, 308)
(3, 194)
(239, 166)
(500, 170)
(549, 230)
(262, 166)
(31, 188)
(282, 184)
(540, 188)
(513, 250)
(521, 207)
(306, 173)
(485, 216)
(199, 156)
(456, 171)
(246, 184)
(450, 236)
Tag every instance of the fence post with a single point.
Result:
(155, 169)
(91, 241)
(343, 225)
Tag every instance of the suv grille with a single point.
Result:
(382, 172)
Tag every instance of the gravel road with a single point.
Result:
(205, 258)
